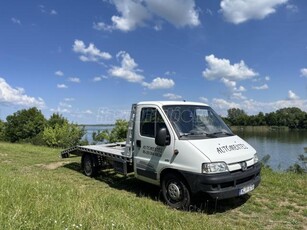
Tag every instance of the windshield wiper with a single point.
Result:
(221, 132)
(196, 134)
(184, 134)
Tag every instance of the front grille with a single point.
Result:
(227, 184)
(243, 180)
(233, 183)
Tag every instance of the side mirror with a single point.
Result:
(161, 137)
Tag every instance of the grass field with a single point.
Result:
(38, 190)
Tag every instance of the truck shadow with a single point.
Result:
(142, 189)
(128, 183)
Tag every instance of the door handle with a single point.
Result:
(138, 143)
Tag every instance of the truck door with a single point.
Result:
(149, 158)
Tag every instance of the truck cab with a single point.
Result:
(187, 149)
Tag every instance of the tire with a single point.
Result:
(90, 169)
(175, 192)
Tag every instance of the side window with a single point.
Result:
(151, 121)
(147, 123)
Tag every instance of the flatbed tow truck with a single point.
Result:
(183, 147)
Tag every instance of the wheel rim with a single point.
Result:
(174, 191)
(87, 166)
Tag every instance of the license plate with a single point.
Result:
(246, 189)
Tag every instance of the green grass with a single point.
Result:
(38, 190)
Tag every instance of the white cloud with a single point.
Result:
(88, 111)
(267, 78)
(203, 99)
(292, 8)
(209, 12)
(262, 87)
(170, 73)
(59, 73)
(137, 13)
(228, 74)
(184, 14)
(172, 96)
(69, 99)
(232, 85)
(60, 110)
(299, 103)
(17, 96)
(16, 21)
(101, 26)
(62, 86)
(304, 72)
(239, 11)
(160, 83)
(240, 89)
(238, 95)
(42, 8)
(228, 83)
(53, 12)
(99, 78)
(128, 69)
(96, 79)
(292, 95)
(158, 27)
(221, 68)
(65, 107)
(74, 79)
(90, 53)
(64, 104)
(223, 104)
(251, 106)
(129, 72)
(133, 14)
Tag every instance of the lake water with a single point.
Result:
(284, 147)
(90, 129)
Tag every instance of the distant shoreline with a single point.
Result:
(261, 128)
(95, 125)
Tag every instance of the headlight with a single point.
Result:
(256, 158)
(217, 167)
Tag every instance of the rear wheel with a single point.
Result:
(89, 165)
(175, 192)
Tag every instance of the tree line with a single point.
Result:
(293, 118)
(30, 126)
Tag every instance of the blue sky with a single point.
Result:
(90, 60)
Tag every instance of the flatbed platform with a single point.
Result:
(115, 151)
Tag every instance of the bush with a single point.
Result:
(2, 134)
(24, 125)
(117, 134)
(296, 168)
(300, 167)
(62, 136)
(55, 119)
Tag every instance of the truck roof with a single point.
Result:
(162, 103)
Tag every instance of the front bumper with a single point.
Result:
(223, 185)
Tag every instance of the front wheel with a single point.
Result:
(175, 192)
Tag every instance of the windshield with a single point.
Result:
(196, 122)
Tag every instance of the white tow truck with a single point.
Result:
(184, 147)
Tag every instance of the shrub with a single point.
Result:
(117, 134)
(2, 135)
(62, 136)
(24, 125)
